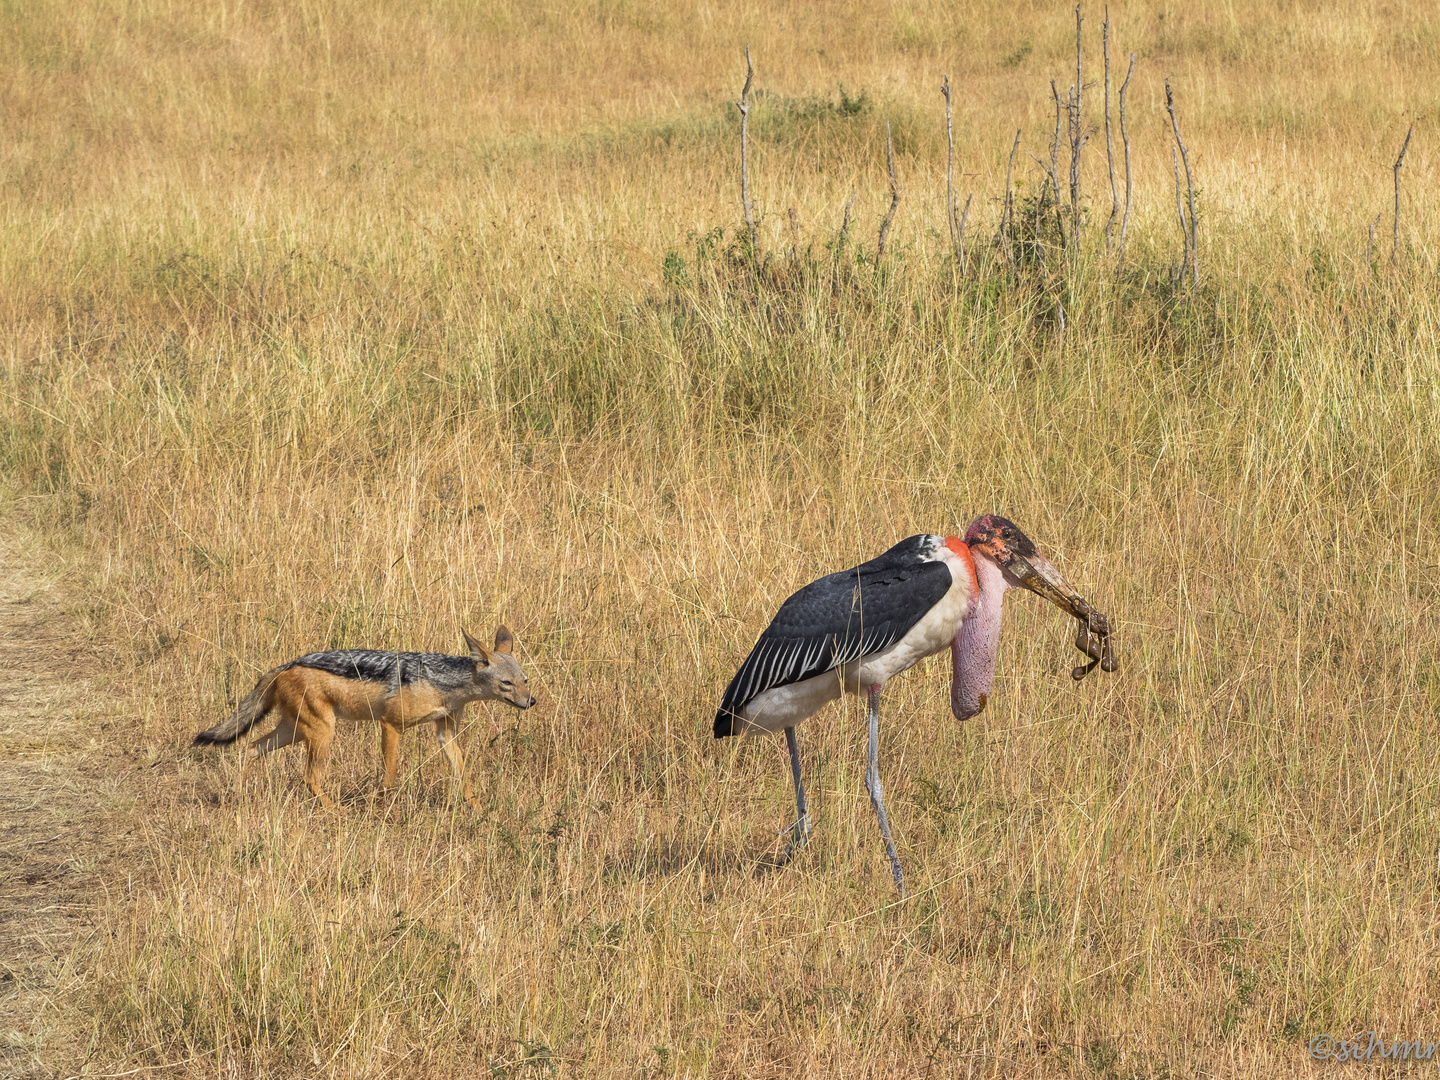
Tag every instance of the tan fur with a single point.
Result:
(310, 702)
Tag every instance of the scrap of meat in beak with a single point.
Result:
(1024, 567)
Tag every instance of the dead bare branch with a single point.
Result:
(1194, 249)
(1054, 169)
(1078, 138)
(744, 106)
(894, 193)
(1055, 186)
(1395, 245)
(1007, 213)
(1109, 140)
(950, 172)
(1125, 137)
(960, 234)
(1180, 210)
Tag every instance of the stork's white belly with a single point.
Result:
(785, 706)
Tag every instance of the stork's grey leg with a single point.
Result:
(877, 791)
(800, 831)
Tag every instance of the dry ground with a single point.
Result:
(63, 803)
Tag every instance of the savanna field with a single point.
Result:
(348, 324)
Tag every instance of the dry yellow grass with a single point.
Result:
(340, 325)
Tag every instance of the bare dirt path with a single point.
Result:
(58, 809)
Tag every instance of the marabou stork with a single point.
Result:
(854, 630)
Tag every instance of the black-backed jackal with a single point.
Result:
(399, 690)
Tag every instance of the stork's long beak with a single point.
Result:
(1038, 575)
(1093, 636)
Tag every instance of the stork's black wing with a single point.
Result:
(837, 619)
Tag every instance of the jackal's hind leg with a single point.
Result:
(282, 735)
(315, 729)
(450, 747)
(316, 758)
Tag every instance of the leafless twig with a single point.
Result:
(1036, 246)
(950, 172)
(1395, 246)
(845, 219)
(1125, 137)
(1109, 140)
(894, 193)
(1054, 169)
(1059, 225)
(1180, 210)
(956, 218)
(1193, 245)
(744, 106)
(1007, 213)
(960, 234)
(1078, 138)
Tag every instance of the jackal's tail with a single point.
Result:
(247, 714)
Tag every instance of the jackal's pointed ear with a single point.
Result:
(503, 641)
(478, 652)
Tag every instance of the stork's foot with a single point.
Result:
(799, 837)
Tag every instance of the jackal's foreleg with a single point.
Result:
(390, 730)
(390, 753)
(450, 747)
